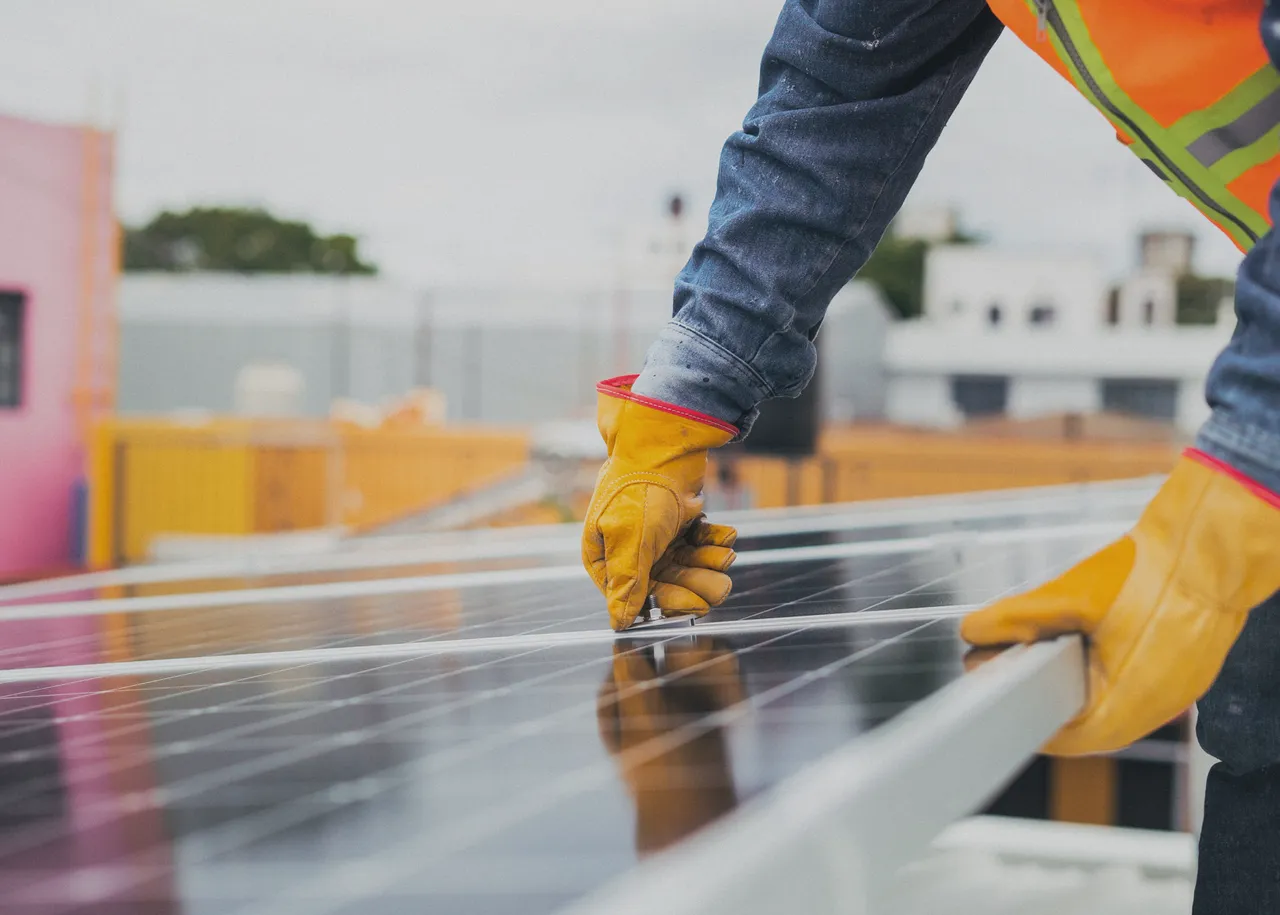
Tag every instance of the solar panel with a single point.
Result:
(361, 558)
(479, 741)
(907, 574)
(331, 786)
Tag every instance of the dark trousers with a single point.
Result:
(1239, 724)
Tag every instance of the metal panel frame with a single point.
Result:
(831, 838)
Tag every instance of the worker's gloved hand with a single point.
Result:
(644, 531)
(677, 775)
(1160, 607)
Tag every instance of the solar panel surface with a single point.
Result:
(478, 747)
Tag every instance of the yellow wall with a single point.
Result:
(883, 463)
(387, 473)
(150, 477)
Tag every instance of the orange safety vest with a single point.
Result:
(1187, 84)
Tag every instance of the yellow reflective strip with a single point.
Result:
(1236, 163)
(1231, 107)
(1253, 127)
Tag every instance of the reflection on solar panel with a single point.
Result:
(436, 735)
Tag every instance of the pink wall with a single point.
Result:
(44, 202)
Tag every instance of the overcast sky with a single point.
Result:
(493, 141)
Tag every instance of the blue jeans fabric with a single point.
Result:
(853, 95)
(1244, 385)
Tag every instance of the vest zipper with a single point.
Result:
(1049, 14)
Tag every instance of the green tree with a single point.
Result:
(238, 240)
(897, 267)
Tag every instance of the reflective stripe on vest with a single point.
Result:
(1204, 151)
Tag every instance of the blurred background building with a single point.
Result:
(1028, 336)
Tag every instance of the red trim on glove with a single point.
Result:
(620, 387)
(1248, 483)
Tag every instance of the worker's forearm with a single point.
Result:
(1244, 385)
(853, 95)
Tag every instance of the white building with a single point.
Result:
(1030, 336)
(971, 288)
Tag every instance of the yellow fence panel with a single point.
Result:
(877, 463)
(179, 480)
(390, 473)
(149, 478)
(293, 487)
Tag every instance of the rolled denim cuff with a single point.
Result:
(1251, 451)
(685, 368)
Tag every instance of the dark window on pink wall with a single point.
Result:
(13, 307)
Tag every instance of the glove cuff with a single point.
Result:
(1222, 467)
(620, 387)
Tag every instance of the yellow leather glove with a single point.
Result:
(680, 785)
(644, 531)
(1160, 607)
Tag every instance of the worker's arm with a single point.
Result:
(1244, 386)
(1163, 605)
(853, 95)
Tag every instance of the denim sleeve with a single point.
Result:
(853, 95)
(1244, 385)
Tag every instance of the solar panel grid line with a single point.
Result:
(536, 600)
(453, 635)
(94, 672)
(335, 653)
(557, 539)
(885, 571)
(334, 649)
(272, 659)
(43, 694)
(107, 811)
(257, 596)
(463, 580)
(113, 767)
(98, 669)
(93, 639)
(64, 643)
(538, 607)
(372, 876)
(830, 839)
(428, 645)
(259, 738)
